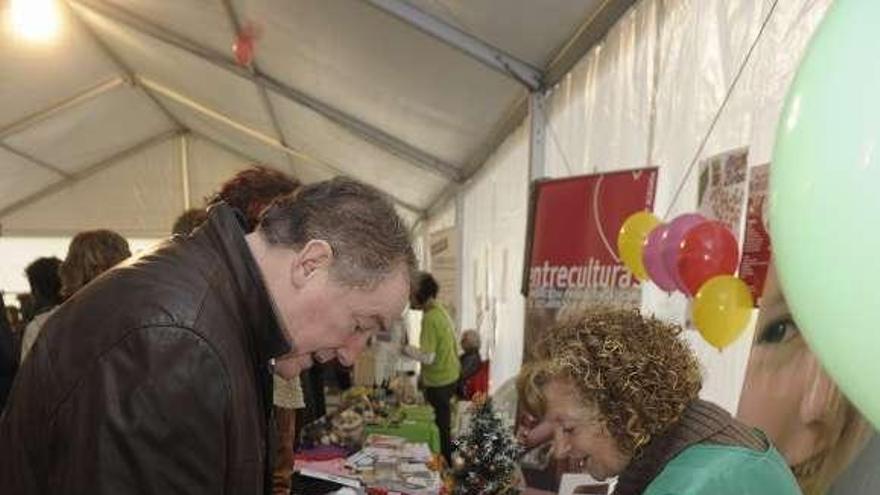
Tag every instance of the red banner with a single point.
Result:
(572, 254)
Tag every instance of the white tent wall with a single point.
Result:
(18, 253)
(645, 96)
(421, 232)
(493, 234)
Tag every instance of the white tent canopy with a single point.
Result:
(139, 110)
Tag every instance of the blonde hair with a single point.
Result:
(847, 432)
(637, 371)
(90, 254)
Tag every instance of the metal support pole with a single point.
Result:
(537, 136)
(365, 131)
(184, 171)
(87, 172)
(460, 260)
(479, 50)
(34, 118)
(251, 132)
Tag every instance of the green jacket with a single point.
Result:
(708, 469)
(438, 336)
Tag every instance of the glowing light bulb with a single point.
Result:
(35, 20)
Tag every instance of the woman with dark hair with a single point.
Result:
(8, 356)
(437, 353)
(42, 275)
(90, 254)
(621, 392)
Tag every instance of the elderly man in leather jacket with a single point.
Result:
(156, 377)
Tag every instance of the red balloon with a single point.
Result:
(244, 49)
(707, 250)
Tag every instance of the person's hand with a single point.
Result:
(533, 431)
(409, 351)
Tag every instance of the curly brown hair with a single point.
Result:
(638, 372)
(253, 189)
(90, 254)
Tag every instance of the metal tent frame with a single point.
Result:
(534, 82)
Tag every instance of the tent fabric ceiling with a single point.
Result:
(140, 211)
(383, 71)
(532, 31)
(87, 133)
(336, 87)
(37, 77)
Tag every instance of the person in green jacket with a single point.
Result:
(438, 354)
(621, 392)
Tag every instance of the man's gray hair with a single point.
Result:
(368, 237)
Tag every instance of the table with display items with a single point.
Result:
(385, 464)
(417, 426)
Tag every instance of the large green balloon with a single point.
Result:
(825, 199)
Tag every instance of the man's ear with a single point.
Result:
(314, 256)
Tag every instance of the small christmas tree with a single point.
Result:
(485, 459)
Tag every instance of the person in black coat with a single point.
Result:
(8, 356)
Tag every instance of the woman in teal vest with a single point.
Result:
(438, 354)
(622, 394)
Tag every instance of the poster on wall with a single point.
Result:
(829, 446)
(571, 263)
(722, 188)
(444, 266)
(756, 240)
(571, 257)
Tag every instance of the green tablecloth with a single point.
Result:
(414, 430)
(419, 413)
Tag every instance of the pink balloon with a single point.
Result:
(652, 258)
(671, 243)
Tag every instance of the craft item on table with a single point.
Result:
(332, 470)
(404, 389)
(345, 430)
(417, 452)
(321, 453)
(386, 441)
(316, 433)
(348, 426)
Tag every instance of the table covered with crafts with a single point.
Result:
(371, 445)
(385, 464)
(417, 425)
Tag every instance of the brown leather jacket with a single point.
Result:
(152, 379)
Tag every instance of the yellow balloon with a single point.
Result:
(631, 241)
(722, 309)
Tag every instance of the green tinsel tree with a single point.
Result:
(486, 458)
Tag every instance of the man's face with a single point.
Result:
(327, 319)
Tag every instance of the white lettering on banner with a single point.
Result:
(587, 276)
(561, 277)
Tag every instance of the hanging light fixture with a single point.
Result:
(36, 21)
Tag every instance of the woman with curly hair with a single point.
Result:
(622, 391)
